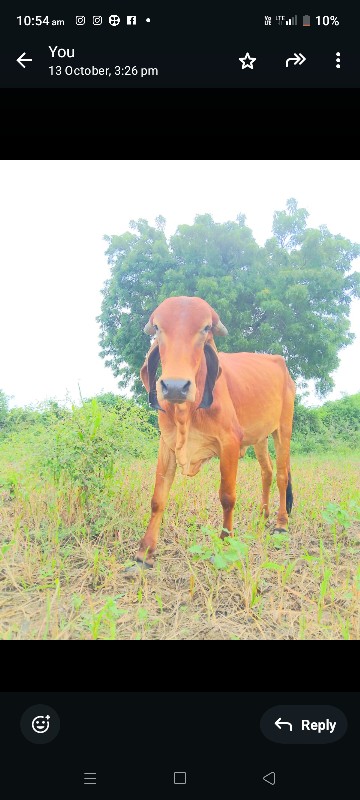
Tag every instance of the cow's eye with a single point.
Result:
(207, 328)
(156, 327)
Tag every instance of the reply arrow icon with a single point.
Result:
(279, 722)
(21, 59)
(299, 59)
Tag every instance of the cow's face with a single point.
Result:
(183, 329)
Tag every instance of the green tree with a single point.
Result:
(291, 296)
(3, 408)
(138, 264)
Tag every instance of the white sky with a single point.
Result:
(55, 213)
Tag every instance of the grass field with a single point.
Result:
(62, 580)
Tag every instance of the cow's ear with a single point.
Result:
(213, 371)
(144, 375)
(148, 375)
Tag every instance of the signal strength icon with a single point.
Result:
(291, 21)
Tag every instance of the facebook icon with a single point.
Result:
(131, 20)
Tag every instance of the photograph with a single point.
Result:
(180, 400)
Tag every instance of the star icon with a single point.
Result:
(247, 61)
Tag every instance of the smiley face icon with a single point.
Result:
(41, 724)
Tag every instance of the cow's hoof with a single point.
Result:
(134, 569)
(144, 564)
(137, 568)
(280, 530)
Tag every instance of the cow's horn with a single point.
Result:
(219, 329)
(149, 328)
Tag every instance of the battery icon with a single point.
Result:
(306, 20)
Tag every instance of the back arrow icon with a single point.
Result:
(270, 778)
(21, 59)
(299, 59)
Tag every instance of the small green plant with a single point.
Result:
(357, 579)
(340, 519)
(159, 602)
(106, 619)
(324, 588)
(77, 601)
(278, 540)
(335, 515)
(5, 547)
(302, 626)
(284, 569)
(223, 553)
(96, 555)
(344, 626)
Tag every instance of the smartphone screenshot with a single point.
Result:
(179, 744)
(157, 45)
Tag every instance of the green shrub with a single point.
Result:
(77, 446)
(335, 425)
(86, 443)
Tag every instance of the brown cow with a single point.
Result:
(215, 404)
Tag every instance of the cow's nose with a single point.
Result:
(175, 391)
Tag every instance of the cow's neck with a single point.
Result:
(183, 413)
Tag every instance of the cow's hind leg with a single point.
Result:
(165, 471)
(283, 478)
(262, 455)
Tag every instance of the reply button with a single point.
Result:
(303, 724)
(306, 725)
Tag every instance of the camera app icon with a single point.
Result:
(80, 20)
(97, 20)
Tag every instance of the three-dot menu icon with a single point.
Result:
(337, 60)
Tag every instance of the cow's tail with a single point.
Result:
(289, 494)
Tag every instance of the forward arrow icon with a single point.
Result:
(299, 59)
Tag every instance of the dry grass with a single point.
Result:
(60, 582)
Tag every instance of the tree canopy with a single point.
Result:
(291, 296)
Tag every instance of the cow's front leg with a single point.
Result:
(229, 458)
(165, 471)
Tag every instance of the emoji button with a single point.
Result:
(40, 724)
